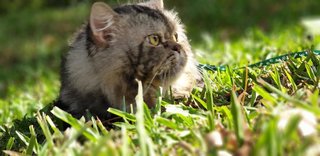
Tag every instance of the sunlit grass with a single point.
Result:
(257, 111)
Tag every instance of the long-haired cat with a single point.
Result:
(118, 46)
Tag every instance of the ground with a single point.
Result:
(269, 110)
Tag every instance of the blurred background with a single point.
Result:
(35, 33)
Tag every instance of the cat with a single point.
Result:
(117, 47)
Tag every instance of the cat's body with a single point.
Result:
(119, 46)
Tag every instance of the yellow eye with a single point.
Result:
(154, 40)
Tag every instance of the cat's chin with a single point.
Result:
(166, 78)
(172, 70)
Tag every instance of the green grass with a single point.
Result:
(238, 111)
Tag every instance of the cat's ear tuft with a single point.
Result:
(102, 18)
(155, 4)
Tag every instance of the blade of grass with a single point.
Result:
(291, 127)
(264, 94)
(125, 142)
(237, 117)
(143, 137)
(33, 144)
(289, 98)
(78, 125)
(314, 99)
(102, 128)
(211, 120)
(124, 115)
(94, 124)
(293, 84)
(45, 129)
(10, 143)
(53, 126)
(147, 115)
(30, 146)
(271, 139)
(167, 122)
(128, 126)
(23, 138)
(226, 111)
(159, 101)
(253, 98)
(311, 73)
(276, 78)
(209, 92)
(203, 103)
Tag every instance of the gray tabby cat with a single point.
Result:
(118, 46)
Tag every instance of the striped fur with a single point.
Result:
(110, 52)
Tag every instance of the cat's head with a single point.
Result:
(150, 38)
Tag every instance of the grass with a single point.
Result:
(273, 110)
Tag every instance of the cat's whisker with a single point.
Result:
(164, 76)
(155, 74)
(170, 76)
(167, 77)
(165, 80)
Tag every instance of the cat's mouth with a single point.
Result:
(164, 73)
(166, 76)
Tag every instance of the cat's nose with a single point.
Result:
(173, 46)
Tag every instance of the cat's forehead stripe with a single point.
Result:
(138, 9)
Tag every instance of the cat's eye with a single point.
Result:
(154, 40)
(175, 37)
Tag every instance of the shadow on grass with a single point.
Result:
(20, 130)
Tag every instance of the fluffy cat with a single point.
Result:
(118, 46)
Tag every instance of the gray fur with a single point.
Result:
(112, 51)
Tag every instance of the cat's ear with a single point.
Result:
(102, 17)
(155, 4)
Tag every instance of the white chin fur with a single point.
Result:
(187, 79)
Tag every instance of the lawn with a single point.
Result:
(268, 110)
